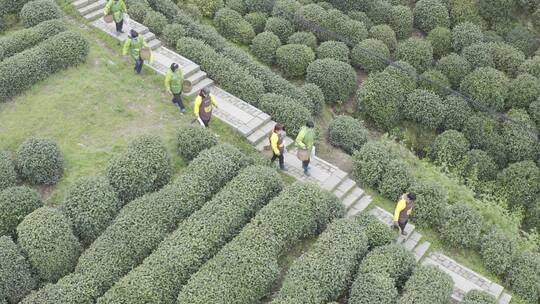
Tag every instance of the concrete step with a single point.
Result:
(505, 299)
(82, 3)
(352, 198)
(413, 240)
(344, 188)
(387, 218)
(361, 205)
(96, 6)
(154, 44)
(421, 250)
(95, 15)
(149, 36)
(262, 133)
(199, 86)
(196, 77)
(191, 70)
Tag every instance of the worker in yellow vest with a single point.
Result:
(173, 83)
(204, 104)
(133, 46)
(117, 8)
(403, 210)
(277, 143)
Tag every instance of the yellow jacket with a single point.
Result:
(401, 205)
(274, 143)
(198, 101)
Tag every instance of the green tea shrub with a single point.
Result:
(280, 27)
(497, 250)
(237, 275)
(46, 238)
(522, 39)
(65, 50)
(436, 82)
(378, 233)
(385, 34)
(479, 55)
(418, 52)
(455, 67)
(40, 161)
(91, 205)
(316, 96)
(531, 66)
(325, 271)
(521, 138)
(465, 34)
(456, 112)
(190, 141)
(8, 176)
(16, 278)
(15, 204)
(72, 288)
(428, 14)
(532, 216)
(370, 55)
(285, 110)
(496, 10)
(430, 205)
(160, 277)
(378, 11)
(369, 163)
(306, 38)
(233, 26)
(336, 79)
(293, 59)
(404, 73)
(461, 226)
(441, 41)
(145, 166)
(524, 275)
(172, 33)
(37, 11)
(401, 19)
(12, 6)
(396, 179)
(237, 5)
(362, 17)
(208, 7)
(336, 50)
(478, 165)
(520, 183)
(347, 133)
(449, 148)
(373, 288)
(478, 297)
(391, 260)
(155, 21)
(487, 86)
(482, 132)
(424, 107)
(257, 21)
(258, 6)
(137, 11)
(264, 46)
(427, 285)
(465, 10)
(507, 58)
(352, 31)
(534, 111)
(524, 89)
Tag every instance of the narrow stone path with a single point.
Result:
(256, 126)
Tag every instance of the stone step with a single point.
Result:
(82, 3)
(261, 134)
(149, 36)
(95, 15)
(196, 77)
(199, 86)
(154, 44)
(412, 241)
(387, 218)
(361, 205)
(352, 198)
(421, 250)
(505, 299)
(92, 7)
(344, 188)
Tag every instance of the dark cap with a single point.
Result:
(174, 66)
(411, 196)
(133, 34)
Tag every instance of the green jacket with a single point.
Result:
(174, 81)
(117, 8)
(305, 138)
(134, 46)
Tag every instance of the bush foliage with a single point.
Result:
(524, 275)
(369, 163)
(392, 260)
(417, 52)
(15, 204)
(37, 11)
(336, 79)
(461, 226)
(16, 278)
(190, 141)
(264, 46)
(373, 288)
(520, 183)
(465, 34)
(40, 161)
(401, 19)
(286, 111)
(280, 27)
(487, 86)
(455, 67)
(370, 55)
(497, 250)
(449, 148)
(257, 21)
(524, 89)
(430, 205)
(441, 41)
(155, 21)
(427, 285)
(306, 38)
(396, 179)
(478, 165)
(293, 59)
(428, 14)
(336, 50)
(8, 176)
(233, 26)
(424, 107)
(172, 33)
(347, 133)
(378, 233)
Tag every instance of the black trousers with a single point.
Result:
(206, 122)
(119, 25)
(139, 64)
(305, 163)
(402, 224)
(281, 159)
(177, 99)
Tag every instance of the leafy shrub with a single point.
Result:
(507, 58)
(26, 38)
(524, 89)
(441, 41)
(40, 161)
(236, 275)
(305, 38)
(15, 204)
(534, 111)
(352, 31)
(46, 237)
(479, 55)
(369, 163)
(208, 7)
(264, 46)
(531, 66)
(496, 10)
(145, 166)
(257, 21)
(478, 165)
(237, 5)
(400, 19)
(336, 79)
(520, 183)
(91, 205)
(391, 260)
(532, 216)
(482, 133)
(465, 10)
(497, 250)
(475, 296)
(280, 27)
(424, 107)
(455, 67)
(137, 11)
(373, 288)
(524, 275)
(325, 271)
(378, 11)
(285, 110)
(16, 278)
(520, 136)
(449, 148)
(159, 278)
(428, 14)
(362, 17)
(427, 285)
(316, 96)
(456, 112)
(65, 50)
(347, 133)
(465, 34)
(37, 11)
(172, 33)
(8, 176)
(378, 233)
(258, 6)
(294, 59)
(487, 86)
(396, 179)
(12, 7)
(191, 141)
(404, 73)
(370, 55)
(336, 50)
(231, 25)
(417, 52)
(385, 34)
(430, 204)
(461, 226)
(522, 39)
(435, 81)
(155, 21)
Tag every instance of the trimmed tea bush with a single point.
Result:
(478, 297)
(197, 239)
(316, 96)
(40, 161)
(137, 11)
(524, 89)
(478, 165)
(465, 10)
(487, 86)
(520, 183)
(264, 46)
(370, 55)
(430, 204)
(190, 141)
(381, 98)
(479, 55)
(396, 179)
(232, 26)
(455, 67)
(46, 237)
(16, 278)
(91, 204)
(369, 163)
(465, 34)
(441, 41)
(436, 82)
(482, 133)
(235, 275)
(404, 73)
(280, 27)
(531, 66)
(37, 11)
(347, 133)
(373, 288)
(378, 233)
(8, 176)
(258, 6)
(532, 216)
(362, 17)
(172, 33)
(237, 5)
(144, 223)
(12, 6)
(520, 137)
(73, 288)
(522, 39)
(400, 19)
(534, 111)
(497, 250)
(15, 204)
(336, 50)
(336, 79)
(305, 38)
(378, 11)
(427, 285)
(285, 110)
(145, 166)
(417, 52)
(293, 59)
(391, 260)
(208, 7)
(155, 21)
(257, 21)
(507, 58)
(524, 275)
(496, 10)
(424, 107)
(428, 14)
(325, 271)
(461, 226)
(449, 148)
(456, 112)
(385, 34)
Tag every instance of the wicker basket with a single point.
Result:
(108, 18)
(302, 154)
(145, 53)
(187, 86)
